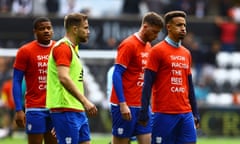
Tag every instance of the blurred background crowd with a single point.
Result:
(100, 8)
(216, 62)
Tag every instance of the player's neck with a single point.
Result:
(72, 40)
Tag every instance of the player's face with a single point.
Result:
(177, 28)
(83, 32)
(44, 32)
(151, 33)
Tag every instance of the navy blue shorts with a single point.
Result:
(173, 128)
(127, 129)
(38, 122)
(71, 127)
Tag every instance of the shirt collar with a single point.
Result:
(71, 44)
(45, 45)
(173, 43)
(138, 37)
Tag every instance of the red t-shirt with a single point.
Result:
(132, 53)
(62, 55)
(170, 89)
(32, 58)
(228, 32)
(7, 94)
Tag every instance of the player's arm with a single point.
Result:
(118, 85)
(67, 82)
(117, 82)
(17, 95)
(17, 88)
(193, 101)
(149, 77)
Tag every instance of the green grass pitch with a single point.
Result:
(104, 139)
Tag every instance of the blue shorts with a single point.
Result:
(71, 127)
(127, 129)
(173, 128)
(38, 122)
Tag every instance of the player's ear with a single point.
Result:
(74, 29)
(168, 27)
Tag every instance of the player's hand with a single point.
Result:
(143, 117)
(20, 119)
(53, 132)
(143, 123)
(125, 111)
(90, 109)
(197, 122)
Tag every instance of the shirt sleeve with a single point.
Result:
(149, 77)
(62, 55)
(192, 98)
(117, 81)
(17, 88)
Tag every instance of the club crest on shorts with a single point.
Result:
(120, 131)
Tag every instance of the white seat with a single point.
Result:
(221, 99)
(212, 99)
(220, 76)
(225, 99)
(223, 59)
(235, 60)
(234, 76)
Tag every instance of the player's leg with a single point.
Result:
(144, 138)
(164, 128)
(143, 133)
(86, 142)
(187, 131)
(129, 142)
(35, 138)
(49, 138)
(120, 140)
(122, 129)
(35, 126)
(84, 130)
(12, 125)
(65, 128)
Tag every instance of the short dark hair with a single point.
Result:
(74, 19)
(169, 15)
(39, 20)
(153, 18)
